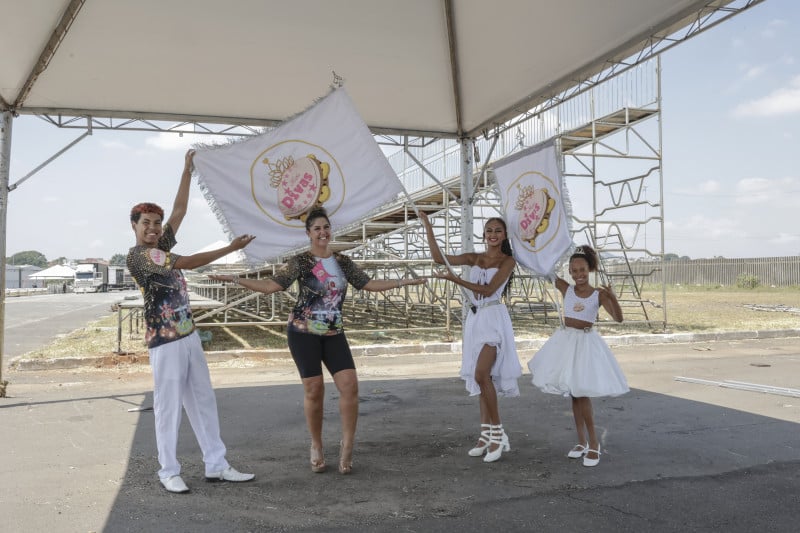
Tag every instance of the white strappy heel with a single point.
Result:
(497, 436)
(483, 442)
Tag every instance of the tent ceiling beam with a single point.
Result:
(455, 72)
(49, 160)
(567, 87)
(56, 38)
(214, 125)
(572, 85)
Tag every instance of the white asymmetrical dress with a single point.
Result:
(577, 362)
(490, 324)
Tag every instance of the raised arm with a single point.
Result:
(203, 258)
(503, 273)
(181, 204)
(379, 285)
(609, 302)
(266, 286)
(561, 285)
(436, 253)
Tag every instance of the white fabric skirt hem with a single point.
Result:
(577, 363)
(491, 326)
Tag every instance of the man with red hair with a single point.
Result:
(180, 372)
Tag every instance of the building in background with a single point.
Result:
(18, 276)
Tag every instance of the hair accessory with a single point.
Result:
(579, 251)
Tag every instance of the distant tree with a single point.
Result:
(60, 261)
(671, 257)
(685, 258)
(29, 257)
(118, 259)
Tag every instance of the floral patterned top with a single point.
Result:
(323, 286)
(166, 300)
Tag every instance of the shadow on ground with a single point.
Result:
(668, 465)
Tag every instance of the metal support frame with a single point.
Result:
(589, 128)
(5, 166)
(502, 135)
(5, 189)
(467, 193)
(708, 17)
(616, 159)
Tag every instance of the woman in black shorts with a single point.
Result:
(315, 331)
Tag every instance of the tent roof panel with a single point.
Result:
(267, 60)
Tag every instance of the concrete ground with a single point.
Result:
(677, 456)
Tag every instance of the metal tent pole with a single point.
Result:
(5, 168)
(467, 168)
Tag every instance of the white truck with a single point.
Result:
(119, 279)
(91, 277)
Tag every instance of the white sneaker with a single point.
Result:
(230, 474)
(175, 484)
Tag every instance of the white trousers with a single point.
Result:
(181, 379)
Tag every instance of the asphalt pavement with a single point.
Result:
(79, 449)
(32, 322)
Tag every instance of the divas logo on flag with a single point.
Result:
(299, 185)
(266, 185)
(533, 203)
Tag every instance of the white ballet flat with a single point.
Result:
(591, 462)
(578, 451)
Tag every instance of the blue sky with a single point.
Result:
(731, 124)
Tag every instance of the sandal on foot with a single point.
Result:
(587, 461)
(345, 462)
(317, 461)
(578, 451)
(483, 442)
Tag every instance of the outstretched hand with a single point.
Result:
(188, 164)
(241, 241)
(221, 277)
(607, 288)
(446, 275)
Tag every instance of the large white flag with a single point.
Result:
(534, 206)
(325, 156)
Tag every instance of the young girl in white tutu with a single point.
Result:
(576, 361)
(489, 362)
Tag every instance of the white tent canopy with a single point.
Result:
(447, 68)
(442, 67)
(57, 272)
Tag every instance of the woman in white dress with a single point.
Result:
(576, 361)
(490, 364)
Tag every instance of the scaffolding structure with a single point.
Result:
(609, 139)
(628, 192)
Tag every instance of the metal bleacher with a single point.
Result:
(389, 244)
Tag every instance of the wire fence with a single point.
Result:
(750, 272)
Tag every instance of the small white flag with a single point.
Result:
(265, 185)
(534, 207)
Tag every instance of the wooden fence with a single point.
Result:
(763, 271)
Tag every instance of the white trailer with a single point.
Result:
(91, 277)
(116, 278)
(119, 279)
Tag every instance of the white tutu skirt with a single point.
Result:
(578, 363)
(491, 325)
